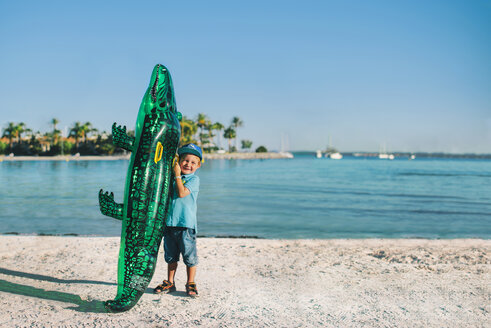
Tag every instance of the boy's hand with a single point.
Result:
(181, 190)
(177, 169)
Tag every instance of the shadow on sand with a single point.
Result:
(175, 294)
(51, 279)
(82, 305)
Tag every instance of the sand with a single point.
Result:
(48, 281)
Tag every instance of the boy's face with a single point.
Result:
(189, 163)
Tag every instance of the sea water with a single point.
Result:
(304, 197)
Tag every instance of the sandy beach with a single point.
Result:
(48, 281)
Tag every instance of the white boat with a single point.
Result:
(383, 153)
(285, 142)
(318, 154)
(385, 156)
(332, 153)
(335, 156)
(286, 154)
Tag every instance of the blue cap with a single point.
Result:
(192, 149)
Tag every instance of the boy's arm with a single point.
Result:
(181, 190)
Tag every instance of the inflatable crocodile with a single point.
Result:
(147, 190)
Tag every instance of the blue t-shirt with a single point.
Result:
(182, 211)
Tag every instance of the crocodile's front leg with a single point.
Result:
(121, 139)
(109, 207)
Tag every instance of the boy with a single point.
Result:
(181, 222)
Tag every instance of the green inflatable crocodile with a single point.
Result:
(147, 190)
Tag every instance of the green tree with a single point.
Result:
(217, 126)
(67, 146)
(246, 144)
(229, 134)
(80, 132)
(20, 148)
(236, 123)
(29, 133)
(9, 133)
(202, 122)
(261, 149)
(209, 135)
(19, 130)
(35, 147)
(14, 133)
(76, 132)
(104, 146)
(55, 133)
(3, 147)
(188, 130)
(88, 128)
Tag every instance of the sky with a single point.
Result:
(410, 75)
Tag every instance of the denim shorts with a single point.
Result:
(178, 240)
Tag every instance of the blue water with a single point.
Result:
(303, 197)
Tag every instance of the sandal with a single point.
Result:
(165, 287)
(191, 289)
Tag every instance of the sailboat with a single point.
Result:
(335, 155)
(285, 144)
(383, 153)
(332, 153)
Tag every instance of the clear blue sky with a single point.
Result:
(415, 75)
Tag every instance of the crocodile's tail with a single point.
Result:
(119, 305)
(135, 283)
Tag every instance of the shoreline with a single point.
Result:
(70, 235)
(68, 158)
(360, 241)
(57, 281)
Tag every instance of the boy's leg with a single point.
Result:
(189, 253)
(190, 257)
(171, 271)
(171, 255)
(171, 252)
(191, 271)
(191, 289)
(167, 286)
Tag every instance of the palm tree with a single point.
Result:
(218, 127)
(54, 121)
(236, 123)
(19, 129)
(55, 134)
(246, 144)
(29, 132)
(86, 129)
(210, 127)
(188, 130)
(90, 129)
(9, 133)
(77, 131)
(229, 134)
(201, 121)
(206, 134)
(14, 132)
